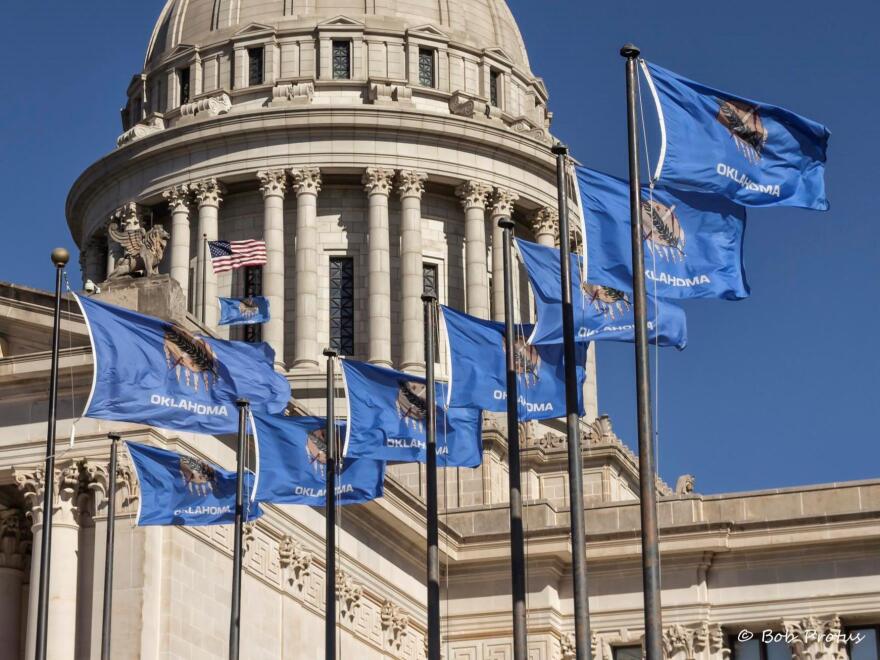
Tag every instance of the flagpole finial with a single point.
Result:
(60, 257)
(429, 297)
(506, 223)
(242, 403)
(630, 51)
(329, 352)
(113, 436)
(559, 149)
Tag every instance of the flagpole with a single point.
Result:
(517, 543)
(204, 274)
(575, 457)
(647, 485)
(60, 257)
(433, 560)
(330, 513)
(235, 615)
(108, 549)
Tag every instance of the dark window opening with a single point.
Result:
(627, 652)
(183, 79)
(864, 643)
(341, 60)
(431, 286)
(494, 77)
(137, 110)
(342, 305)
(756, 649)
(255, 66)
(252, 285)
(426, 67)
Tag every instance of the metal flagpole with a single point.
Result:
(235, 615)
(575, 458)
(647, 486)
(60, 257)
(433, 568)
(204, 273)
(517, 543)
(108, 550)
(330, 513)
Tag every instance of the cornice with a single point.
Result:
(315, 124)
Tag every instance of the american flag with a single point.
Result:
(226, 255)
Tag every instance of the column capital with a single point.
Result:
(377, 180)
(273, 183)
(94, 481)
(473, 194)
(306, 180)
(127, 217)
(411, 183)
(502, 201)
(545, 221)
(178, 197)
(209, 192)
(31, 483)
(15, 539)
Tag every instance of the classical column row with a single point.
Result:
(478, 200)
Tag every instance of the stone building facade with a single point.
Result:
(373, 145)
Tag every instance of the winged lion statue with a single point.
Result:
(142, 250)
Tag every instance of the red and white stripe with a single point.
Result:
(244, 253)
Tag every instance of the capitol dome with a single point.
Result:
(475, 23)
(373, 145)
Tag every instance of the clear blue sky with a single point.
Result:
(777, 390)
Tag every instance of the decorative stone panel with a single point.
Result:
(301, 93)
(210, 106)
(152, 124)
(295, 562)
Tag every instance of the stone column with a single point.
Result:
(273, 185)
(411, 185)
(65, 548)
(377, 183)
(473, 196)
(178, 199)
(15, 538)
(90, 260)
(501, 207)
(306, 185)
(209, 195)
(111, 258)
(545, 224)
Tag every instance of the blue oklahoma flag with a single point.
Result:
(601, 313)
(181, 490)
(386, 419)
(753, 153)
(244, 311)
(478, 369)
(693, 241)
(292, 459)
(150, 371)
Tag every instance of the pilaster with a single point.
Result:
(377, 184)
(273, 186)
(306, 185)
(208, 195)
(411, 186)
(473, 195)
(501, 207)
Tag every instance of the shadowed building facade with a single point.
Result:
(373, 145)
